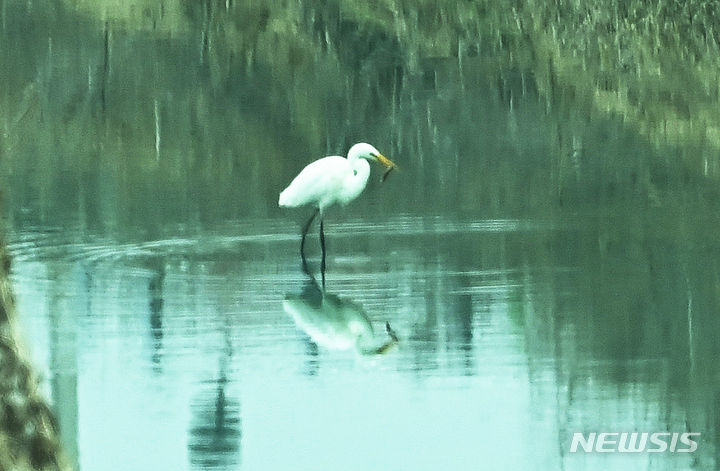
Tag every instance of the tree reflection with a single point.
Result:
(157, 300)
(214, 437)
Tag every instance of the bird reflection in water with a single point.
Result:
(336, 323)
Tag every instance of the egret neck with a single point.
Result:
(356, 182)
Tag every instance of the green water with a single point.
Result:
(547, 268)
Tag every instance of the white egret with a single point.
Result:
(328, 181)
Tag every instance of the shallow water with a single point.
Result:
(545, 269)
(177, 353)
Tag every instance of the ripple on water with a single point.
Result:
(76, 245)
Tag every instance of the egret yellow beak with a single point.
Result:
(385, 161)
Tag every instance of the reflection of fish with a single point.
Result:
(336, 323)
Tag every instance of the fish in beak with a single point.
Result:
(389, 165)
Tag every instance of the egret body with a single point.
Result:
(328, 181)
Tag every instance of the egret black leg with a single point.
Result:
(302, 241)
(322, 246)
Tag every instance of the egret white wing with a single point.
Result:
(319, 183)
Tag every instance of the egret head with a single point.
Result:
(363, 150)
